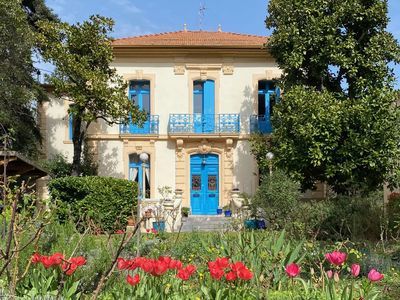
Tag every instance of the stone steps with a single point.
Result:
(206, 223)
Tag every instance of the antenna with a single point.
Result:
(202, 10)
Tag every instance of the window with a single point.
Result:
(139, 93)
(140, 173)
(198, 97)
(268, 96)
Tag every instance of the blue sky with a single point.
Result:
(135, 17)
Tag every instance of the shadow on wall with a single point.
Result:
(109, 161)
(245, 169)
(246, 109)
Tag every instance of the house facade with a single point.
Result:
(204, 92)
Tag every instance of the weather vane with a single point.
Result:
(202, 10)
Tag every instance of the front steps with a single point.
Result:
(206, 223)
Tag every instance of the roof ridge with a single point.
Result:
(190, 31)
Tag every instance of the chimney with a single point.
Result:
(184, 27)
(219, 28)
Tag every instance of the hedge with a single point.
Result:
(101, 202)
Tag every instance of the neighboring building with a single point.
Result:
(204, 93)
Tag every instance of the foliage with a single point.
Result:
(58, 166)
(82, 55)
(260, 145)
(393, 212)
(340, 218)
(102, 203)
(337, 122)
(19, 91)
(276, 198)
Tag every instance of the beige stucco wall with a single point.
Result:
(171, 92)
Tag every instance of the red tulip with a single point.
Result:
(222, 262)
(154, 231)
(147, 265)
(159, 268)
(191, 269)
(133, 280)
(183, 274)
(36, 258)
(216, 273)
(355, 270)
(374, 275)
(237, 266)
(292, 270)
(70, 266)
(175, 264)
(52, 260)
(336, 257)
(245, 274)
(119, 231)
(230, 276)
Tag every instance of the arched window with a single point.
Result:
(140, 172)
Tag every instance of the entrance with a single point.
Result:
(204, 186)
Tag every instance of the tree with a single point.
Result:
(82, 54)
(19, 91)
(337, 121)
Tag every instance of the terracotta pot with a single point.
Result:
(131, 222)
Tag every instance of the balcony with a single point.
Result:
(260, 124)
(204, 124)
(150, 126)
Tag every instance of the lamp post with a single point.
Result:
(143, 157)
(270, 157)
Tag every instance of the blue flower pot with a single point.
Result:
(219, 211)
(250, 224)
(228, 213)
(159, 226)
(261, 224)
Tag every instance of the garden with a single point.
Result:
(76, 246)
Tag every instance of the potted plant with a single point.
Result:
(159, 223)
(227, 211)
(185, 211)
(219, 211)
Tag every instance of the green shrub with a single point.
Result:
(393, 212)
(104, 201)
(339, 218)
(276, 199)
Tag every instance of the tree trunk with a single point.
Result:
(77, 140)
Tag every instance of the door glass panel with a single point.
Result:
(146, 103)
(197, 103)
(145, 85)
(196, 182)
(212, 182)
(261, 104)
(198, 86)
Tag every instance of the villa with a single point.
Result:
(205, 93)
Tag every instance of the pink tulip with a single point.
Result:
(374, 275)
(336, 257)
(329, 273)
(355, 270)
(292, 270)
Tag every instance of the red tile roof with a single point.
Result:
(184, 39)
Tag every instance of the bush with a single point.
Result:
(393, 212)
(340, 218)
(276, 198)
(104, 201)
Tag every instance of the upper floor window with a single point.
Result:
(139, 93)
(268, 96)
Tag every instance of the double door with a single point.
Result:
(204, 184)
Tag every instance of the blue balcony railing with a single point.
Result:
(150, 126)
(260, 124)
(203, 124)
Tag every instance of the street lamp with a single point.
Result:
(143, 157)
(270, 157)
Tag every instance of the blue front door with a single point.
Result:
(139, 93)
(204, 106)
(204, 187)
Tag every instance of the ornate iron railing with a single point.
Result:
(203, 123)
(260, 124)
(150, 126)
